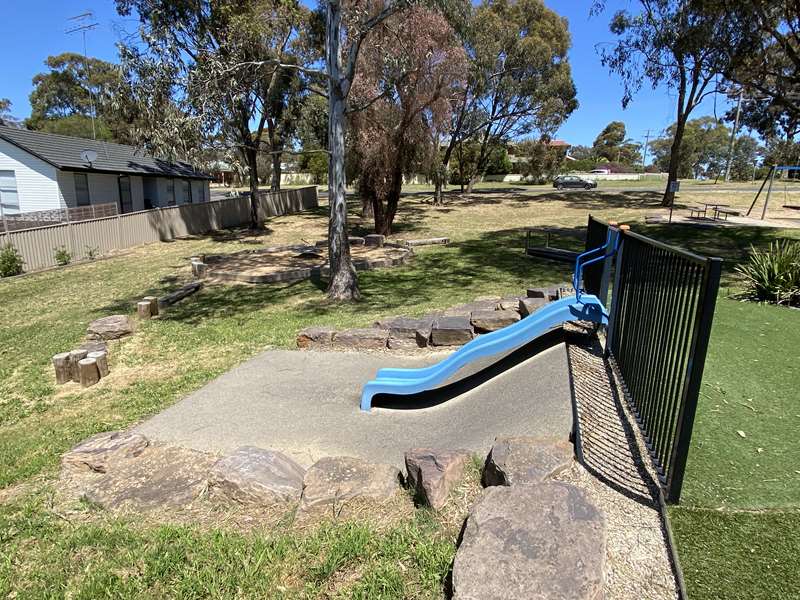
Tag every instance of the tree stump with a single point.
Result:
(153, 300)
(61, 364)
(89, 375)
(101, 358)
(143, 309)
(74, 357)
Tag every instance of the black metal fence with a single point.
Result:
(659, 327)
(596, 234)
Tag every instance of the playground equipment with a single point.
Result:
(581, 307)
(771, 179)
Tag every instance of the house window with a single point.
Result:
(170, 192)
(125, 200)
(186, 191)
(9, 198)
(82, 189)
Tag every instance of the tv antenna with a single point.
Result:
(81, 24)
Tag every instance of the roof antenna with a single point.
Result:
(83, 24)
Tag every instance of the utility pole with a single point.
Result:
(733, 137)
(646, 144)
(83, 24)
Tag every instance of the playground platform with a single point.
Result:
(306, 404)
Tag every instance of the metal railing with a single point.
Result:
(659, 328)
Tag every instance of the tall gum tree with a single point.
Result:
(520, 80)
(410, 69)
(672, 43)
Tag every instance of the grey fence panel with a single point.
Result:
(37, 245)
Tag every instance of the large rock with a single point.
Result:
(315, 337)
(451, 331)
(361, 339)
(465, 310)
(164, 477)
(334, 480)
(510, 303)
(407, 332)
(109, 328)
(492, 320)
(548, 294)
(101, 450)
(258, 477)
(528, 306)
(432, 474)
(544, 542)
(526, 460)
(94, 346)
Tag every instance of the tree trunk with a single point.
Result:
(442, 176)
(252, 172)
(74, 357)
(344, 282)
(274, 146)
(101, 359)
(674, 161)
(88, 372)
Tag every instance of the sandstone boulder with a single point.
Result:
(361, 339)
(451, 331)
(491, 320)
(543, 542)
(432, 474)
(101, 450)
(256, 476)
(165, 477)
(314, 337)
(109, 328)
(528, 306)
(526, 460)
(335, 480)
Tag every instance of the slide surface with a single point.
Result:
(553, 314)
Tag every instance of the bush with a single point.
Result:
(62, 256)
(774, 274)
(10, 261)
(91, 252)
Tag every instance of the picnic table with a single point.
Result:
(717, 208)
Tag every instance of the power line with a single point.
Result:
(84, 24)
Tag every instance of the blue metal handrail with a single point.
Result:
(612, 242)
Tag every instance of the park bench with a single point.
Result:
(696, 210)
(548, 251)
(720, 210)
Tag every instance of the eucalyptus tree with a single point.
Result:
(410, 68)
(675, 43)
(230, 67)
(520, 80)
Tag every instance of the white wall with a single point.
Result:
(37, 186)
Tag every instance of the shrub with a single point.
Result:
(91, 252)
(773, 274)
(62, 256)
(10, 261)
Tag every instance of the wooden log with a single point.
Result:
(153, 300)
(74, 357)
(143, 309)
(89, 375)
(179, 294)
(101, 358)
(61, 364)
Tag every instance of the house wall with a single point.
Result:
(37, 186)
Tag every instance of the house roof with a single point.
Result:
(64, 152)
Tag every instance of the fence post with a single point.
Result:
(615, 296)
(691, 389)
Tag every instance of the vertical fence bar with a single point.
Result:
(691, 392)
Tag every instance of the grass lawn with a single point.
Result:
(749, 385)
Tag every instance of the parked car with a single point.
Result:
(563, 182)
(601, 171)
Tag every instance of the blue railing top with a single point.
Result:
(608, 250)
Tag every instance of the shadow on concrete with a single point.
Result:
(469, 382)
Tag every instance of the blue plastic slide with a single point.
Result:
(413, 381)
(581, 307)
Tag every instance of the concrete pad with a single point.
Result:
(306, 404)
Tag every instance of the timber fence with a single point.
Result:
(95, 237)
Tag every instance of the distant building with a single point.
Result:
(44, 171)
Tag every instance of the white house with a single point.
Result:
(44, 171)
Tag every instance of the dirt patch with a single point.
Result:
(295, 263)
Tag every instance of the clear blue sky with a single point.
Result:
(31, 30)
